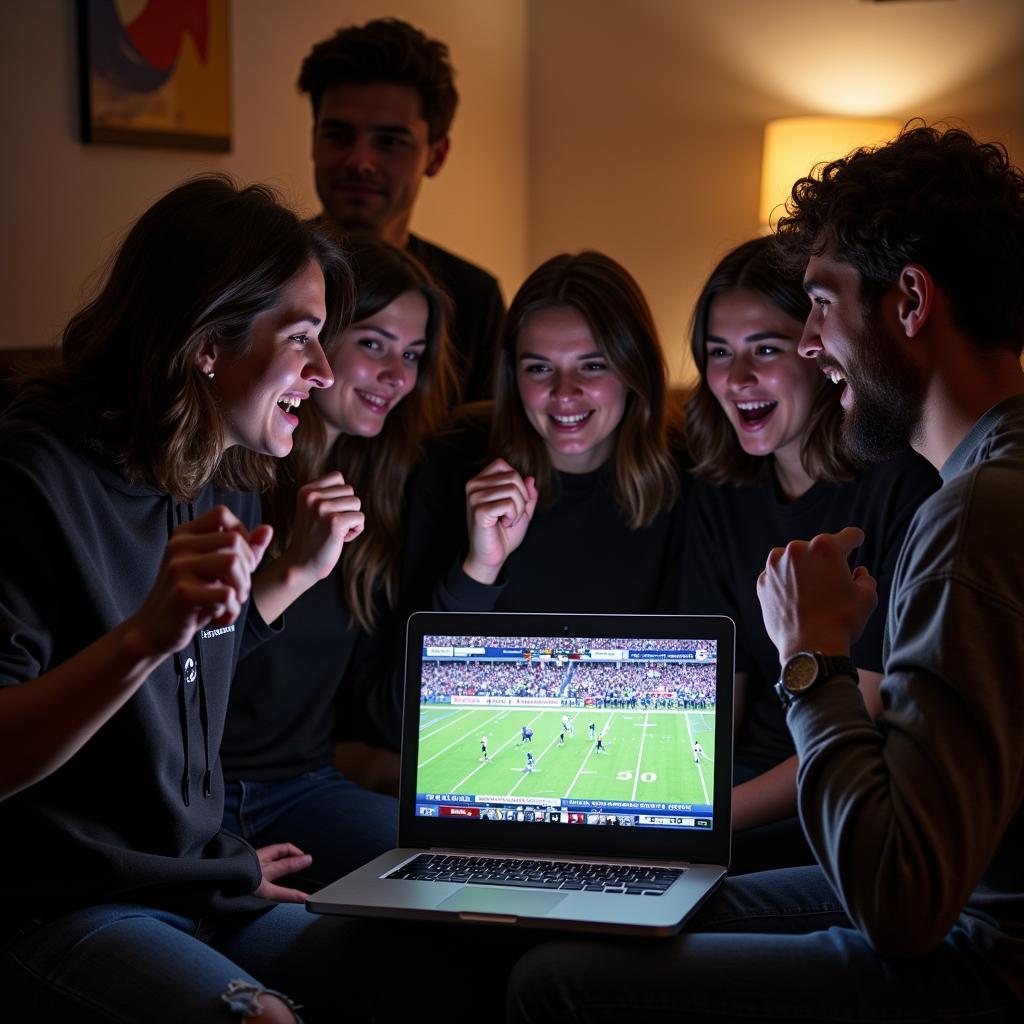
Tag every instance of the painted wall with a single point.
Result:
(64, 205)
(633, 128)
(646, 118)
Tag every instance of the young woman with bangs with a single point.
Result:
(572, 490)
(125, 605)
(764, 426)
(319, 680)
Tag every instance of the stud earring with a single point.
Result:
(210, 375)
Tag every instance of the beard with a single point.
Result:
(888, 396)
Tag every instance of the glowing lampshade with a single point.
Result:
(793, 145)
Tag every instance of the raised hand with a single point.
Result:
(204, 579)
(499, 507)
(810, 599)
(327, 516)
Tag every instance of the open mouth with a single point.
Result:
(572, 421)
(289, 405)
(753, 414)
(375, 402)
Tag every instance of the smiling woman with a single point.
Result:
(573, 484)
(316, 682)
(124, 607)
(765, 428)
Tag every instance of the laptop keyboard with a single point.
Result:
(628, 879)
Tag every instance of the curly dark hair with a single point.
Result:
(933, 196)
(386, 50)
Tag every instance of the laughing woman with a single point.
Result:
(294, 694)
(573, 490)
(124, 603)
(764, 425)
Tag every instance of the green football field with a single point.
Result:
(649, 753)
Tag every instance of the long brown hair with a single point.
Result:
(201, 263)
(611, 302)
(376, 467)
(718, 455)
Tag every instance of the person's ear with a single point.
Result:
(206, 357)
(915, 298)
(438, 155)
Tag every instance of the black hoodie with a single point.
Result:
(135, 815)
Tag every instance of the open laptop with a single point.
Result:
(562, 771)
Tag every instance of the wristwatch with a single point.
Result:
(807, 669)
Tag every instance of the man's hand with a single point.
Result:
(810, 599)
(277, 861)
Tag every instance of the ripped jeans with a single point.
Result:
(125, 962)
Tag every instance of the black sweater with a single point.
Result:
(82, 548)
(579, 553)
(730, 530)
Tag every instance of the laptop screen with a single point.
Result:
(568, 731)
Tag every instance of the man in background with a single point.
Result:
(383, 100)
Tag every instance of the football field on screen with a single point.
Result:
(649, 753)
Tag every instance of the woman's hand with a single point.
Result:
(277, 861)
(499, 508)
(327, 517)
(204, 580)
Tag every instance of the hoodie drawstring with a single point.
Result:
(175, 518)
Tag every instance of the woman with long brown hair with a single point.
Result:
(573, 493)
(293, 696)
(131, 540)
(764, 426)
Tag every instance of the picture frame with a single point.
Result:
(155, 73)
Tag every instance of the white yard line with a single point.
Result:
(490, 759)
(453, 718)
(639, 756)
(700, 771)
(536, 761)
(593, 747)
(477, 729)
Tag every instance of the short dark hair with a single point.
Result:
(386, 50)
(614, 307)
(202, 262)
(716, 450)
(933, 196)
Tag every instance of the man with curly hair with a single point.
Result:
(383, 97)
(913, 255)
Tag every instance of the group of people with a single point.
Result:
(246, 471)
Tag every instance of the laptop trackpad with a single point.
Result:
(523, 903)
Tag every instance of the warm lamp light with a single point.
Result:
(793, 145)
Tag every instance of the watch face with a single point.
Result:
(800, 671)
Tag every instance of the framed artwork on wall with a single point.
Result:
(155, 73)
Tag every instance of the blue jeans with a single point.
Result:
(125, 962)
(339, 823)
(771, 947)
(137, 965)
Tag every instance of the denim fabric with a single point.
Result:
(339, 823)
(123, 962)
(771, 947)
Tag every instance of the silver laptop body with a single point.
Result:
(592, 752)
